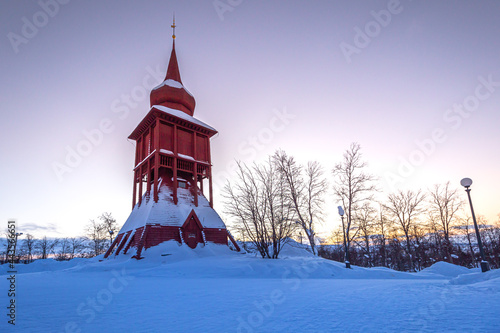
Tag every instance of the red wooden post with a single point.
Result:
(134, 191)
(148, 178)
(210, 192)
(175, 166)
(157, 158)
(140, 185)
(195, 170)
(195, 176)
(201, 184)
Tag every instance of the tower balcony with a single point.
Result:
(184, 163)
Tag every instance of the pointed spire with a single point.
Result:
(171, 94)
(173, 67)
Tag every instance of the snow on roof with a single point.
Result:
(182, 115)
(187, 157)
(173, 84)
(165, 212)
(166, 151)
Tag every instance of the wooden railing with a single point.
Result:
(202, 169)
(167, 161)
(185, 165)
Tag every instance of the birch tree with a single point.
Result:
(352, 187)
(259, 203)
(305, 187)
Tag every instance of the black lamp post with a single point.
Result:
(346, 254)
(467, 182)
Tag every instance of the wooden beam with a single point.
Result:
(140, 185)
(210, 191)
(134, 191)
(174, 167)
(195, 170)
(157, 158)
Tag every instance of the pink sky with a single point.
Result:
(418, 86)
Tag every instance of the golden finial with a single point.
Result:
(173, 27)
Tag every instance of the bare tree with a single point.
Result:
(96, 234)
(280, 216)
(382, 226)
(109, 225)
(5, 246)
(445, 204)
(421, 246)
(76, 245)
(243, 203)
(405, 208)
(336, 236)
(259, 203)
(365, 222)
(45, 246)
(305, 188)
(29, 245)
(64, 248)
(436, 235)
(352, 186)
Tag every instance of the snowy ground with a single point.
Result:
(212, 289)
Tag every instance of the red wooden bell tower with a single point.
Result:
(172, 164)
(171, 145)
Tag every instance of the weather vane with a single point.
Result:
(173, 28)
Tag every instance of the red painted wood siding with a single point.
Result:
(159, 234)
(166, 136)
(202, 148)
(218, 236)
(185, 142)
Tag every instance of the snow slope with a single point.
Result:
(212, 289)
(164, 213)
(447, 269)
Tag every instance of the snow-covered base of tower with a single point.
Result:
(153, 223)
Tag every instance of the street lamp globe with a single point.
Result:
(466, 182)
